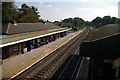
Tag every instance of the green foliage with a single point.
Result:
(114, 20)
(98, 21)
(9, 12)
(68, 20)
(41, 20)
(67, 24)
(57, 23)
(1, 61)
(37, 45)
(29, 18)
(78, 23)
(25, 14)
(75, 23)
(35, 11)
(28, 14)
(119, 20)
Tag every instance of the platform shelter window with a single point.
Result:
(38, 40)
(15, 47)
(10, 49)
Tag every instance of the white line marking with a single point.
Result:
(41, 58)
(67, 64)
(79, 68)
(76, 67)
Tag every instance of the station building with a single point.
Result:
(19, 38)
(103, 44)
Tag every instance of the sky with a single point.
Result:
(57, 10)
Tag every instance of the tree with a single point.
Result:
(87, 23)
(28, 14)
(35, 11)
(24, 9)
(114, 20)
(58, 23)
(68, 20)
(97, 22)
(78, 22)
(119, 20)
(74, 23)
(29, 18)
(106, 20)
(9, 12)
(41, 20)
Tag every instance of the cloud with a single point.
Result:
(41, 3)
(57, 9)
(84, 0)
(88, 12)
(91, 13)
(49, 6)
(61, 0)
(53, 14)
(119, 10)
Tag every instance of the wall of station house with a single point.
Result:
(27, 46)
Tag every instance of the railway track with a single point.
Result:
(69, 69)
(45, 68)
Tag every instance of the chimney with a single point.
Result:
(14, 22)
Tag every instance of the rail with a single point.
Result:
(46, 67)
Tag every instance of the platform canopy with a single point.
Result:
(103, 42)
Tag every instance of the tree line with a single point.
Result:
(30, 14)
(71, 22)
(79, 22)
(98, 21)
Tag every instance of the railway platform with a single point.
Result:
(14, 66)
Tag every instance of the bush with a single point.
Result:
(37, 45)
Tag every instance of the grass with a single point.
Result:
(102, 32)
(25, 36)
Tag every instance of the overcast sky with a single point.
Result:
(53, 10)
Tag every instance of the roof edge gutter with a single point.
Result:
(11, 43)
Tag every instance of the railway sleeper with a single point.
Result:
(47, 70)
(37, 76)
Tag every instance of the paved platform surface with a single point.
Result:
(83, 69)
(14, 65)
